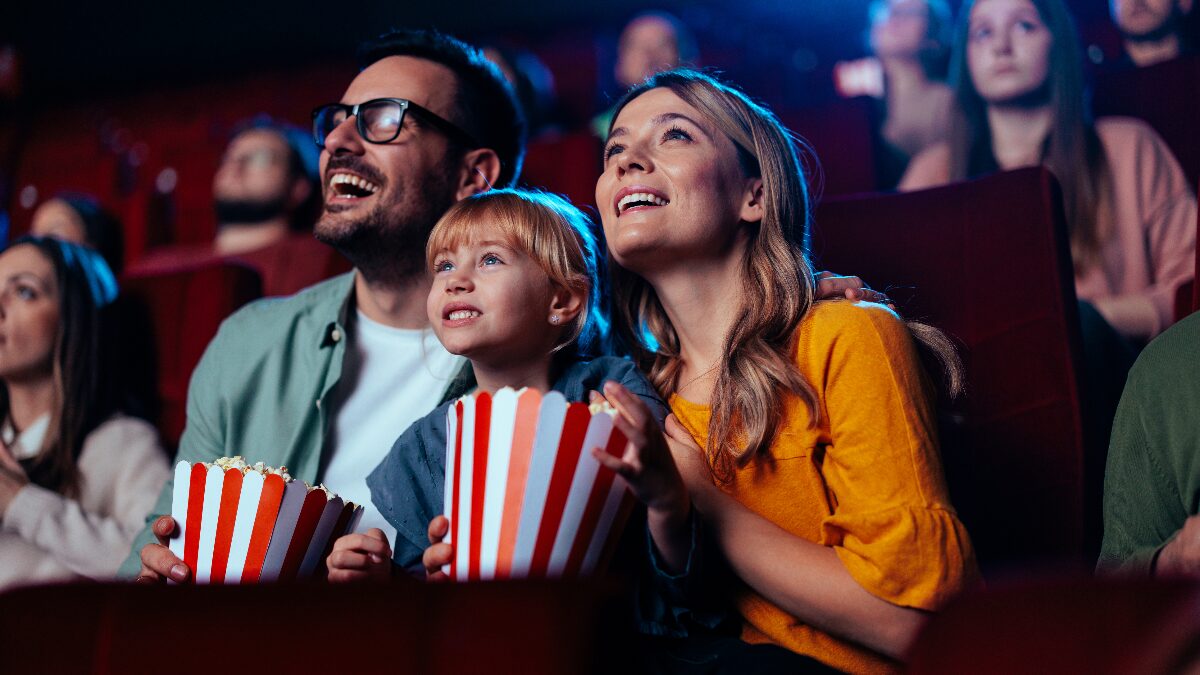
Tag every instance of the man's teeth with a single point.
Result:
(641, 197)
(461, 314)
(350, 179)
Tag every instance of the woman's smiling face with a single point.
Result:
(673, 189)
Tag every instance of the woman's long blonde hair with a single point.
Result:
(759, 372)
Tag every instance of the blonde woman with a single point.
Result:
(804, 431)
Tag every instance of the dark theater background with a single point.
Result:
(134, 103)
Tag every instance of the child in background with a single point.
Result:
(516, 291)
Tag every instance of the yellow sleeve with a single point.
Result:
(892, 523)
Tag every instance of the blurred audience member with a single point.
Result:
(80, 219)
(911, 39)
(1131, 214)
(76, 475)
(533, 84)
(1152, 484)
(650, 43)
(265, 187)
(1153, 30)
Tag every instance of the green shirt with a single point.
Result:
(1152, 480)
(263, 386)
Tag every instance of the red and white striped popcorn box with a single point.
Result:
(524, 495)
(241, 524)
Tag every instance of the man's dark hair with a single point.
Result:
(484, 106)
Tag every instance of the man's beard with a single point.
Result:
(249, 211)
(385, 244)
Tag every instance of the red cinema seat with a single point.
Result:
(841, 135)
(1067, 626)
(1167, 96)
(436, 629)
(567, 164)
(186, 306)
(295, 263)
(987, 261)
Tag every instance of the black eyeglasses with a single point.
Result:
(380, 120)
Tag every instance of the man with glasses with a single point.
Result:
(326, 380)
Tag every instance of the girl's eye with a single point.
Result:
(443, 266)
(980, 32)
(676, 134)
(491, 259)
(612, 150)
(1027, 26)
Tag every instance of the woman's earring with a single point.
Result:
(554, 319)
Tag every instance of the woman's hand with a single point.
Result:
(689, 457)
(360, 557)
(648, 468)
(438, 554)
(12, 479)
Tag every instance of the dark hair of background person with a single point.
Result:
(101, 229)
(1072, 150)
(485, 105)
(303, 161)
(83, 389)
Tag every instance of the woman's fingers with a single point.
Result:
(614, 463)
(628, 405)
(679, 433)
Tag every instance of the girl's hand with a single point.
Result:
(646, 464)
(360, 557)
(689, 457)
(438, 554)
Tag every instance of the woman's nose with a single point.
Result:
(632, 160)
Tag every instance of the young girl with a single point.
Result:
(814, 460)
(1131, 214)
(76, 476)
(515, 291)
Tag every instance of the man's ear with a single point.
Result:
(752, 204)
(478, 172)
(566, 304)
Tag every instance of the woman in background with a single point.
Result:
(76, 476)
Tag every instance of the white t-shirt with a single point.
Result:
(397, 377)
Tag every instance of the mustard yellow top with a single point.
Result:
(866, 479)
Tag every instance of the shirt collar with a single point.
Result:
(28, 443)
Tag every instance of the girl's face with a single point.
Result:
(672, 191)
(899, 27)
(492, 302)
(29, 314)
(1008, 50)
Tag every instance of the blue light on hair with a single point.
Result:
(100, 280)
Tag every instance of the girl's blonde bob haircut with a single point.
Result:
(548, 229)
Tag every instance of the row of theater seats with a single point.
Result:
(1049, 625)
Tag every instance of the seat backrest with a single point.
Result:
(568, 164)
(987, 261)
(1067, 625)
(186, 306)
(434, 629)
(1159, 95)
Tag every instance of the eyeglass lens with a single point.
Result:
(378, 121)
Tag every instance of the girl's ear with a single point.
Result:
(479, 171)
(565, 304)
(752, 206)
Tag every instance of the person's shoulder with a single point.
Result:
(1122, 136)
(929, 168)
(1172, 356)
(279, 311)
(129, 438)
(831, 322)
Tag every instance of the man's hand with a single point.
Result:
(1181, 555)
(158, 563)
(438, 554)
(831, 286)
(360, 557)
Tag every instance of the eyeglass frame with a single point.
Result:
(451, 130)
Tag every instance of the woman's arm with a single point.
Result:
(123, 468)
(805, 579)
